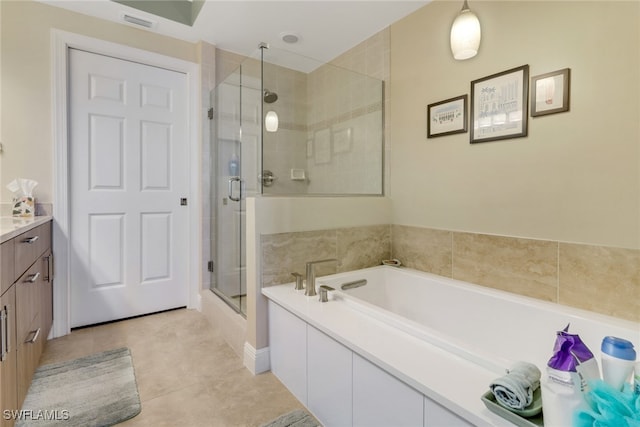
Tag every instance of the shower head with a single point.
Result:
(270, 97)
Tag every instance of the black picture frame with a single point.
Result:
(447, 117)
(499, 106)
(550, 92)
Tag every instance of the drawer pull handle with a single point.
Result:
(49, 276)
(4, 330)
(34, 338)
(31, 240)
(7, 327)
(33, 278)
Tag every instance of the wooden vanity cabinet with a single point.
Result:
(26, 307)
(7, 257)
(8, 363)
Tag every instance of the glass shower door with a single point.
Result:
(235, 134)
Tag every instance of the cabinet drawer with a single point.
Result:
(29, 349)
(30, 245)
(7, 275)
(30, 333)
(28, 299)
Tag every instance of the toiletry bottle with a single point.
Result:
(618, 360)
(233, 165)
(566, 378)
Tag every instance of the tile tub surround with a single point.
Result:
(601, 279)
(354, 247)
(596, 278)
(522, 266)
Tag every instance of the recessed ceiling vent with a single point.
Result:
(138, 21)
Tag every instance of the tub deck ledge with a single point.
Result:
(450, 380)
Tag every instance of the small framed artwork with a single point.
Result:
(447, 117)
(550, 92)
(499, 105)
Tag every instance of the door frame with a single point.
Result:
(61, 42)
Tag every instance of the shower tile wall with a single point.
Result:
(596, 278)
(372, 58)
(336, 103)
(347, 106)
(286, 149)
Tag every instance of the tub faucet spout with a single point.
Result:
(310, 290)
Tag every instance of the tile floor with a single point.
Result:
(187, 375)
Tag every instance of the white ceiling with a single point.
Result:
(326, 28)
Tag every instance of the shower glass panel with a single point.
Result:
(235, 154)
(284, 124)
(329, 139)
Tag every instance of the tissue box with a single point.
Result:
(24, 207)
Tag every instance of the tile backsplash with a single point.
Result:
(355, 248)
(596, 278)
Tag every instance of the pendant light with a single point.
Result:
(465, 34)
(271, 121)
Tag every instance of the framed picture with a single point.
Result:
(447, 117)
(499, 105)
(550, 92)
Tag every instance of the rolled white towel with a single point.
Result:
(515, 390)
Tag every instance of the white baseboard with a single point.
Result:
(196, 302)
(256, 361)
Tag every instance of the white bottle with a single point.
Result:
(618, 360)
(561, 397)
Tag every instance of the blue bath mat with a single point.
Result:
(297, 418)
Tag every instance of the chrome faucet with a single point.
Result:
(310, 290)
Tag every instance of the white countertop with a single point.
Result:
(11, 227)
(446, 378)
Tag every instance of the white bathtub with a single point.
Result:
(490, 327)
(407, 322)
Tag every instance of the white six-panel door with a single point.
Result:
(128, 130)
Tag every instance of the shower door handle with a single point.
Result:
(231, 181)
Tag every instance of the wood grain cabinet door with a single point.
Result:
(8, 364)
(28, 327)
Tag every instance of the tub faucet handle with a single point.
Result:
(299, 285)
(324, 293)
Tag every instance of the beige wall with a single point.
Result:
(26, 82)
(576, 177)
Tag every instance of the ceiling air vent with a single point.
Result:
(138, 21)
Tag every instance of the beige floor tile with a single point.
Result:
(186, 373)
